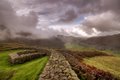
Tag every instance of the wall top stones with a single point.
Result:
(58, 68)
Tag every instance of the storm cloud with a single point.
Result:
(103, 22)
(46, 18)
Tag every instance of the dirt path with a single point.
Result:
(58, 69)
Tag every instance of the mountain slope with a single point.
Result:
(103, 42)
(46, 43)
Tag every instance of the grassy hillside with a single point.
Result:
(110, 64)
(32, 69)
(52, 42)
(107, 63)
(27, 71)
(8, 46)
(77, 47)
(104, 42)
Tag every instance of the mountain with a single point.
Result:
(104, 42)
(52, 42)
(101, 42)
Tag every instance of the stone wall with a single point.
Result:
(22, 58)
(58, 68)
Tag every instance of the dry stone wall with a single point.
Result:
(58, 68)
(18, 59)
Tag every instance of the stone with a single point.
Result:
(58, 68)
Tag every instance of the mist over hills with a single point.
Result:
(102, 42)
(53, 42)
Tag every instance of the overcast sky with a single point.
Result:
(46, 18)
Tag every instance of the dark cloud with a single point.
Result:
(69, 16)
(5, 33)
(113, 5)
(24, 34)
(2, 27)
(66, 10)
(28, 21)
(6, 12)
(11, 23)
(23, 16)
(103, 22)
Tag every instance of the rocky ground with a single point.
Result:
(58, 68)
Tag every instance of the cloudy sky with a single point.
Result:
(46, 18)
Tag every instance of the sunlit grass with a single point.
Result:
(106, 63)
(26, 71)
(76, 47)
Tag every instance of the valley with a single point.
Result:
(87, 64)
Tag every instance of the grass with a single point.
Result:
(107, 63)
(8, 46)
(113, 52)
(76, 47)
(27, 71)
